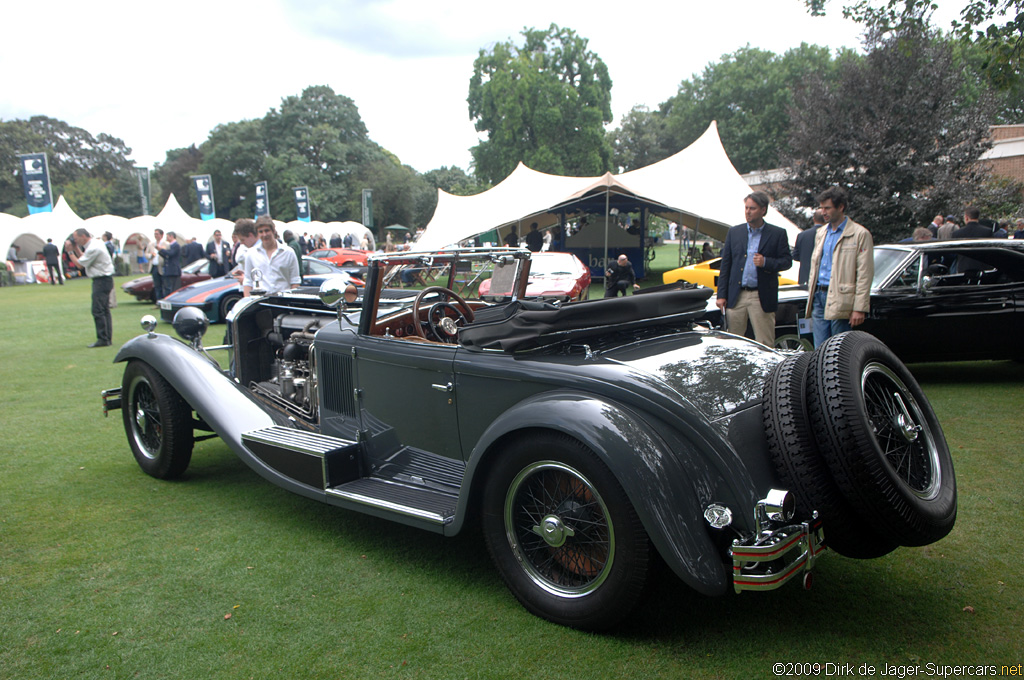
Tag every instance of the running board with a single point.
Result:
(421, 503)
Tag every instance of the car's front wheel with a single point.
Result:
(157, 420)
(563, 534)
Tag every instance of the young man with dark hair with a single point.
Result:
(842, 266)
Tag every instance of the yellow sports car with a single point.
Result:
(705, 274)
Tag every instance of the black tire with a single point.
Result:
(589, 567)
(881, 439)
(226, 303)
(802, 469)
(157, 420)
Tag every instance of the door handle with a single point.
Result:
(447, 387)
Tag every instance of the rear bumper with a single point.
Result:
(776, 557)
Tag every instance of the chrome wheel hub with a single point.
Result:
(553, 531)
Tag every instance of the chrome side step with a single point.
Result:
(420, 503)
(313, 459)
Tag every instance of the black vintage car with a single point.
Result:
(938, 300)
(588, 439)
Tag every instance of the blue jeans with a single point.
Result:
(825, 328)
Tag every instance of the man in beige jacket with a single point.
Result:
(842, 266)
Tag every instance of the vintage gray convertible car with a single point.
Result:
(588, 439)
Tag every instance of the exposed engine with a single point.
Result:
(292, 381)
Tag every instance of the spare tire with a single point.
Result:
(802, 469)
(881, 439)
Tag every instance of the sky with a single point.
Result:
(161, 76)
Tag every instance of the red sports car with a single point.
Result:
(343, 257)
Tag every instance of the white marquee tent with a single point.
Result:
(697, 187)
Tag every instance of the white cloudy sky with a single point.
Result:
(146, 73)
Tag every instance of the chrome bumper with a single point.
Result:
(111, 400)
(777, 556)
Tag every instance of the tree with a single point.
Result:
(995, 26)
(173, 176)
(640, 140)
(94, 168)
(544, 103)
(895, 131)
(749, 93)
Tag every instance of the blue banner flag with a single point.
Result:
(35, 177)
(302, 203)
(204, 193)
(262, 200)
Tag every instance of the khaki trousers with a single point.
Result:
(748, 308)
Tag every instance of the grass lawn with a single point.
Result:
(108, 573)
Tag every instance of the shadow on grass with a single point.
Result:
(966, 372)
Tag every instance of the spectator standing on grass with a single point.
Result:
(52, 256)
(245, 232)
(534, 239)
(278, 266)
(839, 294)
(218, 252)
(1019, 233)
(156, 267)
(170, 256)
(748, 282)
(90, 253)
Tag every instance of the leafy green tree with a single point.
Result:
(749, 93)
(94, 168)
(544, 103)
(996, 27)
(895, 131)
(233, 155)
(173, 177)
(639, 140)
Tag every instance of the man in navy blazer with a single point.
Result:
(748, 282)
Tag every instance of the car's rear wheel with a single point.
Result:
(801, 467)
(226, 303)
(881, 439)
(563, 534)
(157, 420)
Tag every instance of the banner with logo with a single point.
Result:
(262, 200)
(143, 176)
(35, 178)
(368, 208)
(302, 203)
(204, 193)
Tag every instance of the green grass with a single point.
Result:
(108, 573)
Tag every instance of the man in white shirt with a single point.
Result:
(90, 253)
(279, 266)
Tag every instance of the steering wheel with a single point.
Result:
(444, 327)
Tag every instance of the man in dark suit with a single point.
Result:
(972, 227)
(218, 252)
(171, 256)
(52, 256)
(804, 247)
(748, 282)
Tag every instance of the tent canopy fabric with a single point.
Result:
(697, 187)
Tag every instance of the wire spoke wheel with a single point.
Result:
(157, 421)
(559, 528)
(901, 429)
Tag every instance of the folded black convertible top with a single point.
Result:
(525, 324)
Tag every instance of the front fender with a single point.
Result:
(218, 400)
(661, 483)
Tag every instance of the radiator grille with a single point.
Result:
(336, 383)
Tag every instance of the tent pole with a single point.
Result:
(607, 209)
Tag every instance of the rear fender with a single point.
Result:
(660, 482)
(218, 400)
